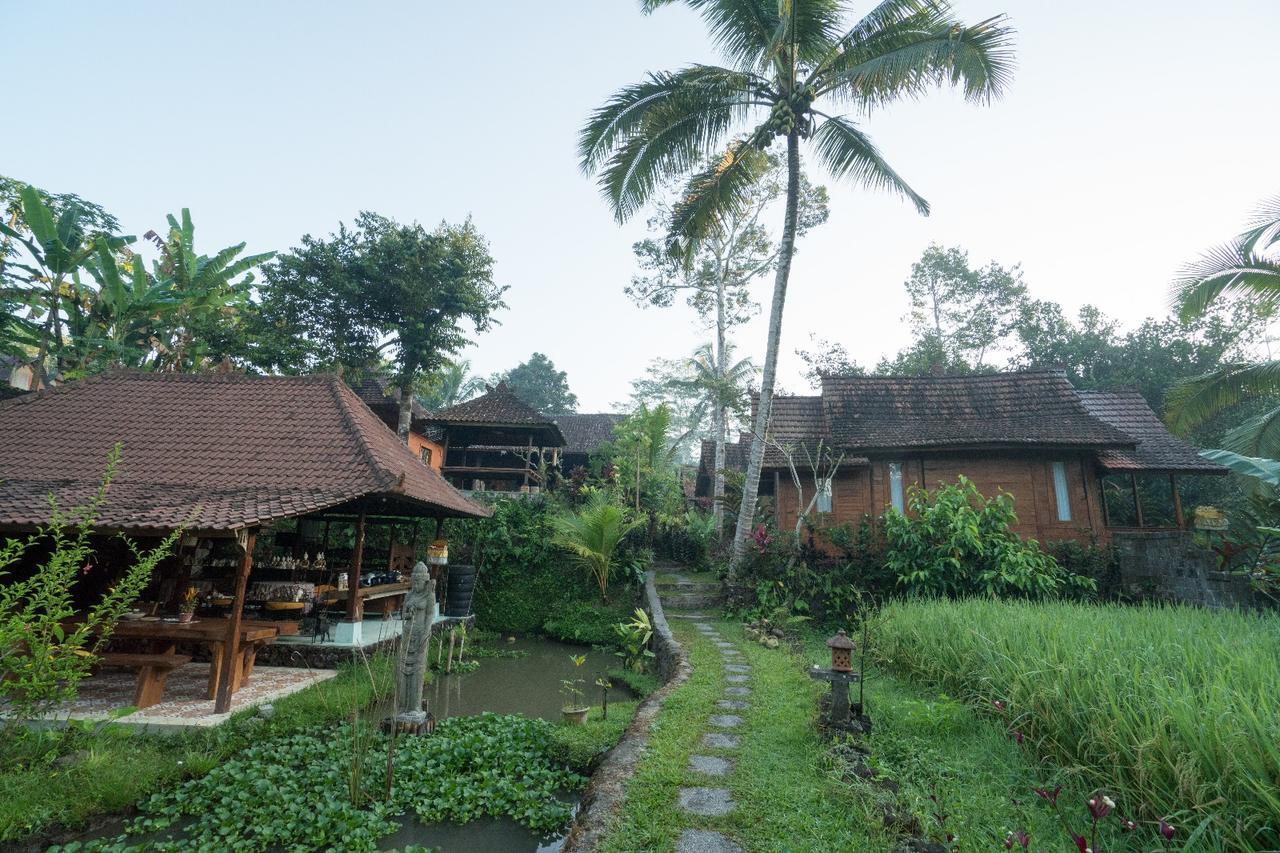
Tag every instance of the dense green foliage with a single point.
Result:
(327, 787)
(591, 535)
(953, 541)
(525, 583)
(538, 383)
(1171, 707)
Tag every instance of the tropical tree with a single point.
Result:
(1248, 269)
(51, 247)
(379, 291)
(538, 383)
(449, 385)
(591, 535)
(715, 279)
(791, 63)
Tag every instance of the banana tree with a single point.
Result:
(44, 283)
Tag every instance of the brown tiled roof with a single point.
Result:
(379, 394)
(1157, 450)
(735, 455)
(585, 433)
(213, 452)
(1027, 409)
(498, 405)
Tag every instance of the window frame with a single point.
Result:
(1061, 491)
(897, 486)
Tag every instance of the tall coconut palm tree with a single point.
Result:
(1248, 267)
(790, 61)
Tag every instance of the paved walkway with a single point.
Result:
(715, 758)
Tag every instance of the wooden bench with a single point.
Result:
(153, 671)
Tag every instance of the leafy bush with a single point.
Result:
(42, 660)
(586, 622)
(953, 541)
(522, 576)
(287, 792)
(1170, 707)
(591, 535)
(633, 641)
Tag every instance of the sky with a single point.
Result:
(1135, 135)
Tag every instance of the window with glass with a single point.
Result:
(1060, 492)
(895, 487)
(425, 453)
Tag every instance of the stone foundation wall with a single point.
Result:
(1168, 565)
(604, 795)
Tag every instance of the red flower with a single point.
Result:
(1017, 736)
(1082, 844)
(1167, 830)
(1127, 825)
(761, 537)
(1023, 838)
(1051, 796)
(997, 704)
(1100, 805)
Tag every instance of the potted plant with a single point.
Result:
(575, 707)
(187, 607)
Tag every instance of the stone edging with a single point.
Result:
(604, 795)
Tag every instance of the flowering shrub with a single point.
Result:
(953, 541)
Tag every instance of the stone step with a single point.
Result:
(690, 601)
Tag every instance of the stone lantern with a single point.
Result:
(841, 652)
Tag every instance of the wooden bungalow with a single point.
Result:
(1030, 434)
(583, 435)
(384, 400)
(227, 458)
(497, 443)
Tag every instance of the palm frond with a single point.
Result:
(1193, 401)
(746, 31)
(1248, 265)
(907, 56)
(1258, 436)
(847, 152)
(717, 191)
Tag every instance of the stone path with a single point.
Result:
(719, 742)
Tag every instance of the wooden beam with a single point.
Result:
(231, 642)
(1177, 503)
(355, 608)
(1137, 501)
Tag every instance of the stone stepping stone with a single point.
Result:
(708, 802)
(736, 667)
(724, 644)
(737, 679)
(720, 740)
(725, 721)
(705, 841)
(710, 765)
(737, 691)
(732, 704)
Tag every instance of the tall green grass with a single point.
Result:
(1175, 709)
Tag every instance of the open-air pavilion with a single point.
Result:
(276, 483)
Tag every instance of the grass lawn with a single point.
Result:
(795, 792)
(675, 577)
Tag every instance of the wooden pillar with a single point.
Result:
(231, 641)
(528, 461)
(1137, 501)
(354, 610)
(1177, 503)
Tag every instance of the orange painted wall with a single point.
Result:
(418, 442)
(865, 490)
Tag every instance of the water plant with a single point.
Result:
(573, 690)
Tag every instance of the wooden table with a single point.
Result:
(390, 594)
(211, 633)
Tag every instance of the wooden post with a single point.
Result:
(448, 665)
(354, 610)
(528, 461)
(231, 642)
(1137, 501)
(1177, 503)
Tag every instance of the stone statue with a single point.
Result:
(419, 613)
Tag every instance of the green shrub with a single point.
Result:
(1173, 708)
(522, 576)
(586, 622)
(953, 541)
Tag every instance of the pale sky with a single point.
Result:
(1135, 134)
